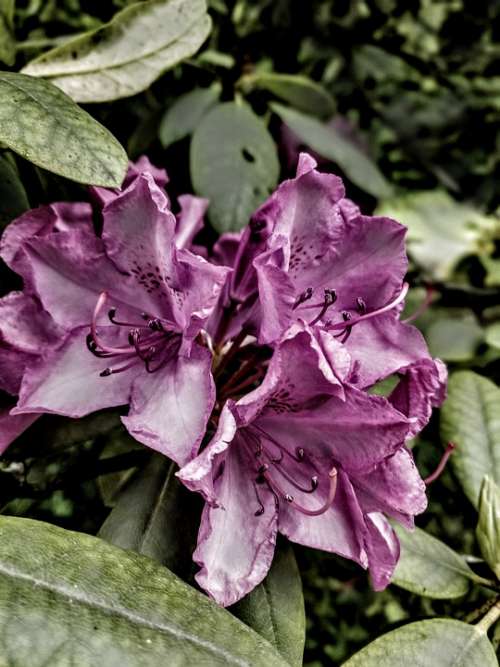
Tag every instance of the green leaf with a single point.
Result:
(453, 334)
(234, 163)
(298, 90)
(151, 517)
(54, 133)
(331, 144)
(430, 568)
(275, 608)
(183, 117)
(126, 55)
(470, 417)
(441, 231)
(488, 526)
(13, 197)
(7, 41)
(492, 335)
(70, 599)
(440, 642)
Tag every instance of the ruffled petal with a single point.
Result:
(67, 382)
(189, 219)
(169, 408)
(235, 546)
(383, 550)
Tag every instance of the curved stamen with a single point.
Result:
(422, 307)
(330, 298)
(260, 511)
(441, 465)
(112, 315)
(332, 476)
(299, 452)
(401, 296)
(112, 371)
(305, 296)
(289, 478)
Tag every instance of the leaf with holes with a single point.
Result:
(440, 641)
(470, 418)
(233, 162)
(328, 142)
(429, 568)
(300, 91)
(73, 599)
(125, 56)
(153, 516)
(275, 608)
(54, 133)
(186, 113)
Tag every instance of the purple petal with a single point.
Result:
(67, 381)
(169, 409)
(383, 550)
(235, 547)
(104, 196)
(189, 219)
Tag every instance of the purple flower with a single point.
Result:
(123, 312)
(311, 456)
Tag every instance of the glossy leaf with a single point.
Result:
(13, 197)
(183, 117)
(443, 642)
(234, 163)
(301, 92)
(126, 55)
(328, 142)
(430, 568)
(54, 133)
(470, 418)
(70, 599)
(275, 608)
(453, 334)
(488, 526)
(441, 231)
(152, 517)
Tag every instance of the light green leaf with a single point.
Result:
(470, 417)
(126, 55)
(492, 335)
(492, 267)
(298, 90)
(275, 608)
(70, 599)
(13, 197)
(430, 568)
(441, 231)
(151, 516)
(331, 144)
(453, 334)
(7, 41)
(438, 642)
(488, 526)
(183, 117)
(234, 163)
(54, 133)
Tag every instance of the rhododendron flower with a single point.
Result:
(311, 456)
(125, 310)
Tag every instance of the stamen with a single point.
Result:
(289, 478)
(401, 296)
(330, 298)
(423, 306)
(112, 315)
(112, 371)
(441, 465)
(360, 305)
(260, 511)
(299, 452)
(332, 476)
(305, 296)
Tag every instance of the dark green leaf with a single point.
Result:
(54, 133)
(428, 567)
(299, 91)
(469, 418)
(234, 163)
(488, 526)
(7, 41)
(127, 54)
(152, 516)
(185, 114)
(275, 608)
(13, 197)
(70, 599)
(439, 642)
(331, 144)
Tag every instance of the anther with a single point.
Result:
(288, 498)
(106, 372)
(304, 296)
(330, 298)
(360, 306)
(300, 453)
(314, 482)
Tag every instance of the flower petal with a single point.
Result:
(189, 219)
(383, 550)
(169, 408)
(67, 381)
(235, 547)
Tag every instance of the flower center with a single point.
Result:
(277, 469)
(150, 341)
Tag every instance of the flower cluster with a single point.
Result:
(250, 364)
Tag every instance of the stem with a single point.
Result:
(490, 618)
(43, 43)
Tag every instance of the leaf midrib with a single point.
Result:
(123, 613)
